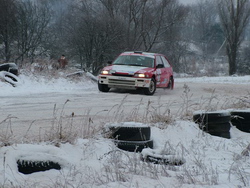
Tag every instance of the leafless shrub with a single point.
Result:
(199, 175)
(242, 102)
(7, 136)
(57, 134)
(69, 128)
(246, 151)
(47, 69)
(186, 107)
(157, 116)
(240, 173)
(159, 113)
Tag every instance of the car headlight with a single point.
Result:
(105, 72)
(140, 75)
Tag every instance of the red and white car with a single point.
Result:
(137, 70)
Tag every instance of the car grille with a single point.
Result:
(124, 75)
(121, 82)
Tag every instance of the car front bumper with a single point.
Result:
(124, 82)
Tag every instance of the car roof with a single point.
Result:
(140, 53)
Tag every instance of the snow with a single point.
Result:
(33, 85)
(222, 79)
(221, 112)
(95, 161)
(127, 124)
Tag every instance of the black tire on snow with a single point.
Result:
(9, 78)
(214, 123)
(205, 118)
(133, 146)
(222, 134)
(131, 133)
(163, 160)
(103, 87)
(29, 167)
(9, 67)
(218, 127)
(241, 120)
(242, 125)
(241, 115)
(151, 89)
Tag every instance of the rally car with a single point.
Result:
(137, 70)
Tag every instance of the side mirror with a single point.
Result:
(109, 62)
(159, 66)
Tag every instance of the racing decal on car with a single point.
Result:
(158, 75)
(165, 81)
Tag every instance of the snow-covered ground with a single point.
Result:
(89, 159)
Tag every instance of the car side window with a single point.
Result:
(165, 61)
(159, 62)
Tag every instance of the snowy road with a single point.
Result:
(34, 113)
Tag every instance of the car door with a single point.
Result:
(162, 75)
(168, 69)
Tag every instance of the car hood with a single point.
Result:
(125, 69)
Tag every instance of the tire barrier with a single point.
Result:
(131, 136)
(9, 67)
(133, 146)
(241, 120)
(162, 159)
(10, 78)
(29, 167)
(214, 123)
(131, 133)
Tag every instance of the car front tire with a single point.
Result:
(152, 87)
(103, 87)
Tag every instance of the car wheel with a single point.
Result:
(171, 84)
(133, 146)
(151, 89)
(131, 133)
(103, 87)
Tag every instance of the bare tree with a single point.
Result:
(7, 27)
(234, 16)
(94, 32)
(98, 30)
(171, 41)
(32, 23)
(205, 31)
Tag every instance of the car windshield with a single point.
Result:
(134, 60)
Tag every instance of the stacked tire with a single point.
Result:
(214, 123)
(133, 137)
(151, 156)
(9, 73)
(9, 78)
(241, 120)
